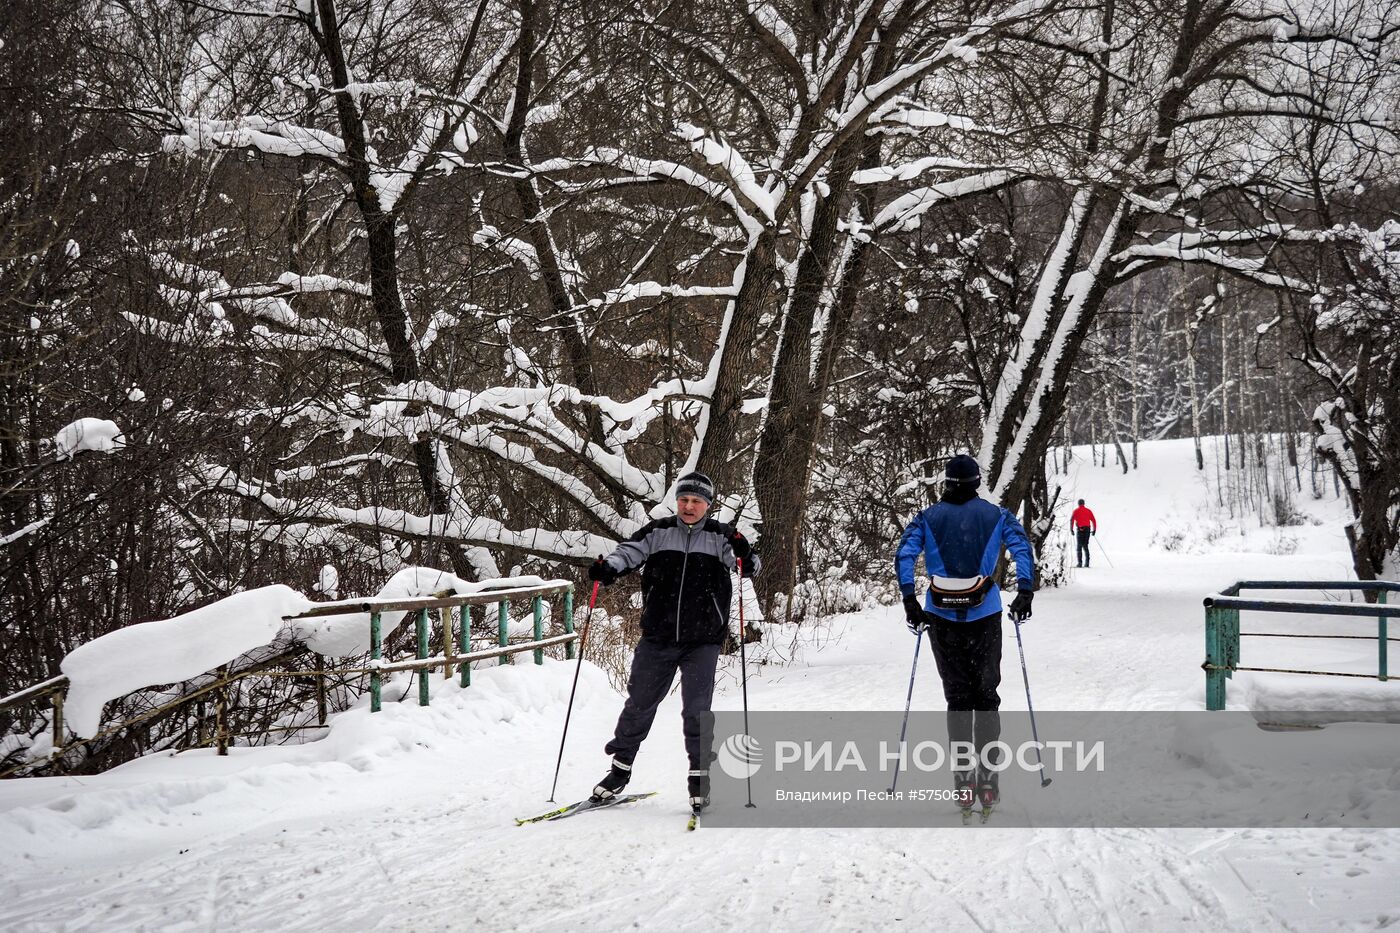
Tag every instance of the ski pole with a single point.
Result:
(1044, 781)
(908, 702)
(744, 672)
(1103, 552)
(582, 639)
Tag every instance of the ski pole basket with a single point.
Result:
(1223, 626)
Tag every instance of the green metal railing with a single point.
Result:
(456, 652)
(1223, 627)
(454, 620)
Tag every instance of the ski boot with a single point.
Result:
(988, 793)
(698, 786)
(965, 793)
(614, 781)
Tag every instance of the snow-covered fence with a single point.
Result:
(174, 651)
(1223, 627)
(420, 607)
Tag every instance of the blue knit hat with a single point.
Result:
(696, 484)
(962, 470)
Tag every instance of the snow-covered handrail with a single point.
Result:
(273, 624)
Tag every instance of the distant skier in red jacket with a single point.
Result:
(1080, 523)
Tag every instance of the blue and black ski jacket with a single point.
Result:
(960, 542)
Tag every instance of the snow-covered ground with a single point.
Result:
(403, 819)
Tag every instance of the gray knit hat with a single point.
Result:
(696, 484)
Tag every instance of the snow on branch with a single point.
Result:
(274, 137)
(872, 98)
(913, 169)
(716, 151)
(309, 284)
(350, 464)
(635, 291)
(515, 248)
(264, 302)
(905, 212)
(390, 183)
(1333, 423)
(923, 118)
(1134, 258)
(659, 170)
(531, 408)
(88, 434)
(25, 530)
(485, 532)
(772, 23)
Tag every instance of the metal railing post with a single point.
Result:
(503, 630)
(221, 713)
(445, 617)
(1232, 641)
(321, 710)
(538, 605)
(57, 700)
(375, 653)
(1215, 658)
(464, 638)
(422, 621)
(569, 622)
(1382, 633)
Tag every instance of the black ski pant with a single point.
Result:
(654, 668)
(968, 655)
(1081, 550)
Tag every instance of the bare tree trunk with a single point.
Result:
(1193, 389)
(802, 373)
(1225, 389)
(720, 422)
(383, 249)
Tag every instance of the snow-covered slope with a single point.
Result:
(403, 819)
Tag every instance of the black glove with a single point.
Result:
(1095, 532)
(601, 571)
(1021, 606)
(740, 545)
(914, 615)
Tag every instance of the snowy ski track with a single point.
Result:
(404, 819)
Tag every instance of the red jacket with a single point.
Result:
(1083, 518)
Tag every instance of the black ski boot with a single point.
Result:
(614, 781)
(698, 784)
(965, 792)
(988, 793)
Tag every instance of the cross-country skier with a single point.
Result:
(1081, 522)
(961, 538)
(686, 561)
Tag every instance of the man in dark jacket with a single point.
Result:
(686, 561)
(962, 537)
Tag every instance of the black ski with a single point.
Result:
(582, 806)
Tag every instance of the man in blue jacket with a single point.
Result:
(961, 538)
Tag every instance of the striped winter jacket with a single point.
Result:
(685, 578)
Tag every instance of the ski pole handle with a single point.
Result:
(739, 565)
(592, 601)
